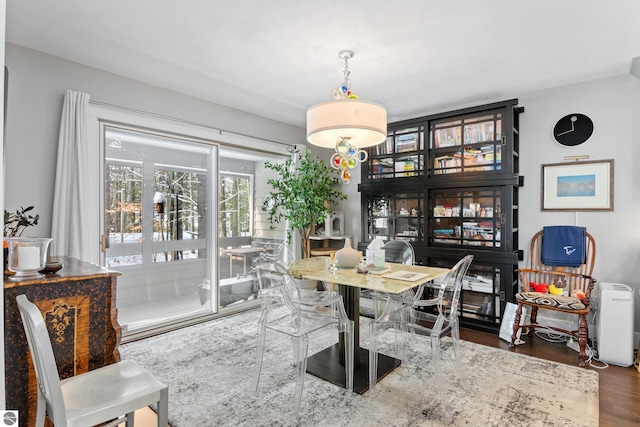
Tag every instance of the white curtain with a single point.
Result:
(70, 227)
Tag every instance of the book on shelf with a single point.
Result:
(479, 132)
(405, 168)
(383, 148)
(444, 162)
(447, 137)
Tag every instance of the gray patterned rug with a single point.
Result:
(208, 368)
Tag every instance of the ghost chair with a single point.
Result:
(107, 394)
(411, 319)
(399, 252)
(282, 314)
(309, 297)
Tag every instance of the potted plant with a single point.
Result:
(15, 224)
(302, 195)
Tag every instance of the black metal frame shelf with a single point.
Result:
(481, 144)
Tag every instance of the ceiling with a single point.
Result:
(276, 58)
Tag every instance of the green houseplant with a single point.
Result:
(15, 223)
(302, 195)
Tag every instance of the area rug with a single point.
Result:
(209, 368)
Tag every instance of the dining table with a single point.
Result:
(328, 364)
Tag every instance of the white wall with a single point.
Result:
(37, 85)
(614, 106)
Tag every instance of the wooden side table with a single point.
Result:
(79, 307)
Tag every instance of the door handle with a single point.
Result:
(104, 243)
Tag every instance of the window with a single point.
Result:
(235, 207)
(164, 186)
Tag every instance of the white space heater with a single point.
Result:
(615, 324)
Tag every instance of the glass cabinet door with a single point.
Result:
(396, 216)
(483, 293)
(466, 144)
(401, 155)
(465, 218)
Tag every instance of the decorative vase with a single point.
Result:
(347, 256)
(27, 255)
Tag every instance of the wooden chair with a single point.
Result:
(570, 279)
(535, 256)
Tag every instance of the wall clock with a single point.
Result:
(573, 129)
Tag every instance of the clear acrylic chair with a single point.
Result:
(396, 251)
(282, 254)
(279, 252)
(411, 319)
(108, 393)
(282, 313)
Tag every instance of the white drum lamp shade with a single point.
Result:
(362, 123)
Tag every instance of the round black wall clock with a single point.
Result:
(573, 129)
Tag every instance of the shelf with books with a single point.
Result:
(401, 155)
(447, 136)
(465, 143)
(471, 159)
(482, 129)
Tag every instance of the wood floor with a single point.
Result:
(619, 387)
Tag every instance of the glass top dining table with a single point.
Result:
(326, 364)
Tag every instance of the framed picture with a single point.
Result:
(406, 142)
(578, 186)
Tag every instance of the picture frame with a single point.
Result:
(578, 186)
(406, 142)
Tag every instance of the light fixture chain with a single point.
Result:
(346, 72)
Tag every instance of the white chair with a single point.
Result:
(282, 313)
(112, 392)
(412, 319)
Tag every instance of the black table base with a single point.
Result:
(325, 365)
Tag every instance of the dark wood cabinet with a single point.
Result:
(78, 305)
(448, 183)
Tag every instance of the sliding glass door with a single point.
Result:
(159, 212)
(182, 222)
(243, 231)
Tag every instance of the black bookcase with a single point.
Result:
(448, 183)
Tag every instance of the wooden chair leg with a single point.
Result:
(534, 315)
(582, 338)
(516, 326)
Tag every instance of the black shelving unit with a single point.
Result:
(448, 183)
